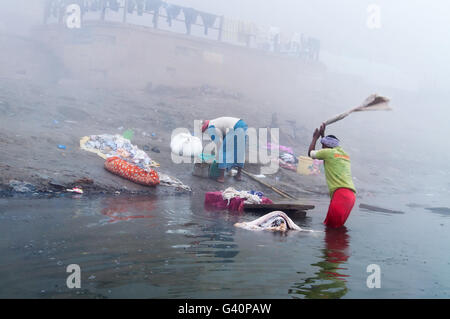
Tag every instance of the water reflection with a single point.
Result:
(123, 209)
(329, 281)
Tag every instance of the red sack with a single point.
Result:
(131, 172)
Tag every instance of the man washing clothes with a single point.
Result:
(338, 176)
(233, 132)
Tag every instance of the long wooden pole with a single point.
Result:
(285, 195)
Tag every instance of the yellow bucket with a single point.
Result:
(307, 166)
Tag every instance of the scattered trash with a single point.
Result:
(156, 149)
(62, 147)
(128, 134)
(75, 190)
(146, 148)
(153, 134)
(167, 180)
(21, 187)
(56, 122)
(120, 128)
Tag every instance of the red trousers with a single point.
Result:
(340, 207)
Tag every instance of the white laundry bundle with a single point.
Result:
(231, 193)
(184, 144)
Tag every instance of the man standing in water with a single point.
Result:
(338, 176)
(233, 131)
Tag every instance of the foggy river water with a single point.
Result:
(172, 247)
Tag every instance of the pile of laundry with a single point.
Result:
(116, 145)
(234, 200)
(251, 197)
(108, 146)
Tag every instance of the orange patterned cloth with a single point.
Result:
(131, 172)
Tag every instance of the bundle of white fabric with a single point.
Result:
(230, 193)
(184, 144)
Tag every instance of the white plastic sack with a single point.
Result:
(184, 144)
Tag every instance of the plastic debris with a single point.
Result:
(62, 147)
(21, 187)
(75, 190)
(128, 134)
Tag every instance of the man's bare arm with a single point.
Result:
(312, 146)
(316, 135)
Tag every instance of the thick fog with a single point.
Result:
(404, 56)
(409, 50)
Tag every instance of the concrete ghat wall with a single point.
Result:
(114, 54)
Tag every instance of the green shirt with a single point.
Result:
(337, 168)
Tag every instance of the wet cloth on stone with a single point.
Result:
(131, 172)
(215, 201)
(208, 20)
(107, 145)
